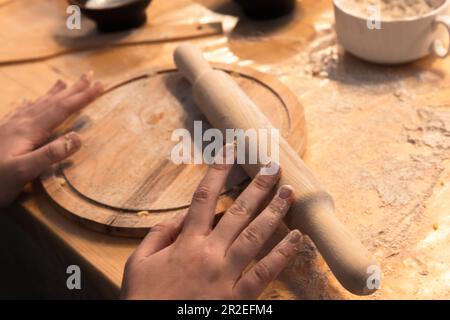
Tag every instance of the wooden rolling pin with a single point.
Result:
(226, 106)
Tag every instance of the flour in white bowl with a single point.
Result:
(391, 9)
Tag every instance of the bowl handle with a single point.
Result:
(437, 46)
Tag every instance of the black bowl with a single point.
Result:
(267, 9)
(116, 16)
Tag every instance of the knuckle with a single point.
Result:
(264, 182)
(159, 228)
(22, 171)
(239, 208)
(165, 230)
(51, 153)
(61, 104)
(202, 194)
(272, 220)
(284, 251)
(90, 94)
(205, 257)
(252, 234)
(220, 166)
(130, 262)
(63, 107)
(48, 100)
(263, 272)
(277, 207)
(87, 97)
(24, 122)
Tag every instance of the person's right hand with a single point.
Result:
(187, 259)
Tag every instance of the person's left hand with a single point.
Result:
(24, 151)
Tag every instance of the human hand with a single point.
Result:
(24, 133)
(186, 259)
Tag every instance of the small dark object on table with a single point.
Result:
(267, 9)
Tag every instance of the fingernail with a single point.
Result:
(272, 168)
(294, 236)
(285, 192)
(72, 142)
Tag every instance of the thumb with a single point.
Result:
(160, 236)
(37, 161)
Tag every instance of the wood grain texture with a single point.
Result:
(20, 43)
(124, 167)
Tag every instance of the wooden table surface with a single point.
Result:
(378, 138)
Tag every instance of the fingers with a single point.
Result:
(244, 208)
(82, 84)
(66, 104)
(254, 281)
(160, 237)
(202, 209)
(57, 87)
(32, 164)
(60, 91)
(251, 240)
(82, 98)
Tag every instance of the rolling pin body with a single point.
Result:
(226, 106)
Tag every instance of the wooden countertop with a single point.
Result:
(378, 138)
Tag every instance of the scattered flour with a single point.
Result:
(392, 9)
(433, 129)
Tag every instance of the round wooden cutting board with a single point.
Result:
(123, 181)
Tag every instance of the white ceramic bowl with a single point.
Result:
(396, 41)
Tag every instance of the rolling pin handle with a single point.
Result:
(190, 62)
